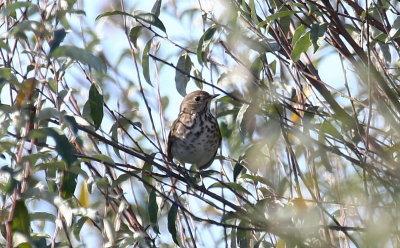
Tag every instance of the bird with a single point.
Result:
(194, 136)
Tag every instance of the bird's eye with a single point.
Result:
(197, 98)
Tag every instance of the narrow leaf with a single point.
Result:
(231, 186)
(13, 7)
(317, 33)
(69, 181)
(204, 42)
(84, 195)
(112, 13)
(21, 221)
(150, 19)
(81, 55)
(146, 171)
(181, 79)
(301, 46)
(156, 8)
(236, 170)
(277, 15)
(58, 37)
(152, 209)
(172, 215)
(241, 122)
(134, 34)
(96, 102)
(145, 62)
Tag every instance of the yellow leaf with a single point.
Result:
(25, 91)
(84, 195)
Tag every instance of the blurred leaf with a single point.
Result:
(181, 79)
(21, 221)
(198, 83)
(4, 46)
(297, 34)
(58, 37)
(328, 128)
(150, 19)
(256, 179)
(146, 174)
(241, 122)
(277, 15)
(121, 178)
(112, 13)
(140, 15)
(104, 158)
(156, 8)
(317, 34)
(204, 43)
(81, 55)
(25, 91)
(231, 186)
(243, 236)
(301, 46)
(172, 215)
(236, 170)
(68, 186)
(84, 195)
(10, 8)
(77, 227)
(145, 62)
(63, 147)
(134, 35)
(395, 30)
(96, 105)
(152, 209)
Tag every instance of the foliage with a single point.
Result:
(309, 112)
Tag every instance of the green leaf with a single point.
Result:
(4, 46)
(81, 55)
(204, 43)
(104, 158)
(150, 19)
(21, 221)
(122, 178)
(297, 34)
(231, 186)
(96, 106)
(241, 121)
(147, 17)
(172, 215)
(152, 209)
(181, 79)
(13, 7)
(243, 236)
(256, 179)
(277, 15)
(317, 34)
(69, 182)
(112, 13)
(78, 227)
(134, 34)
(145, 62)
(156, 8)
(58, 37)
(301, 46)
(146, 171)
(63, 146)
(395, 30)
(236, 170)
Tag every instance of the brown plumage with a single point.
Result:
(194, 136)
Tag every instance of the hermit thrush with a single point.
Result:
(194, 136)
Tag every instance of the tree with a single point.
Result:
(309, 112)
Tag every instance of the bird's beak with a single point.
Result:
(214, 96)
